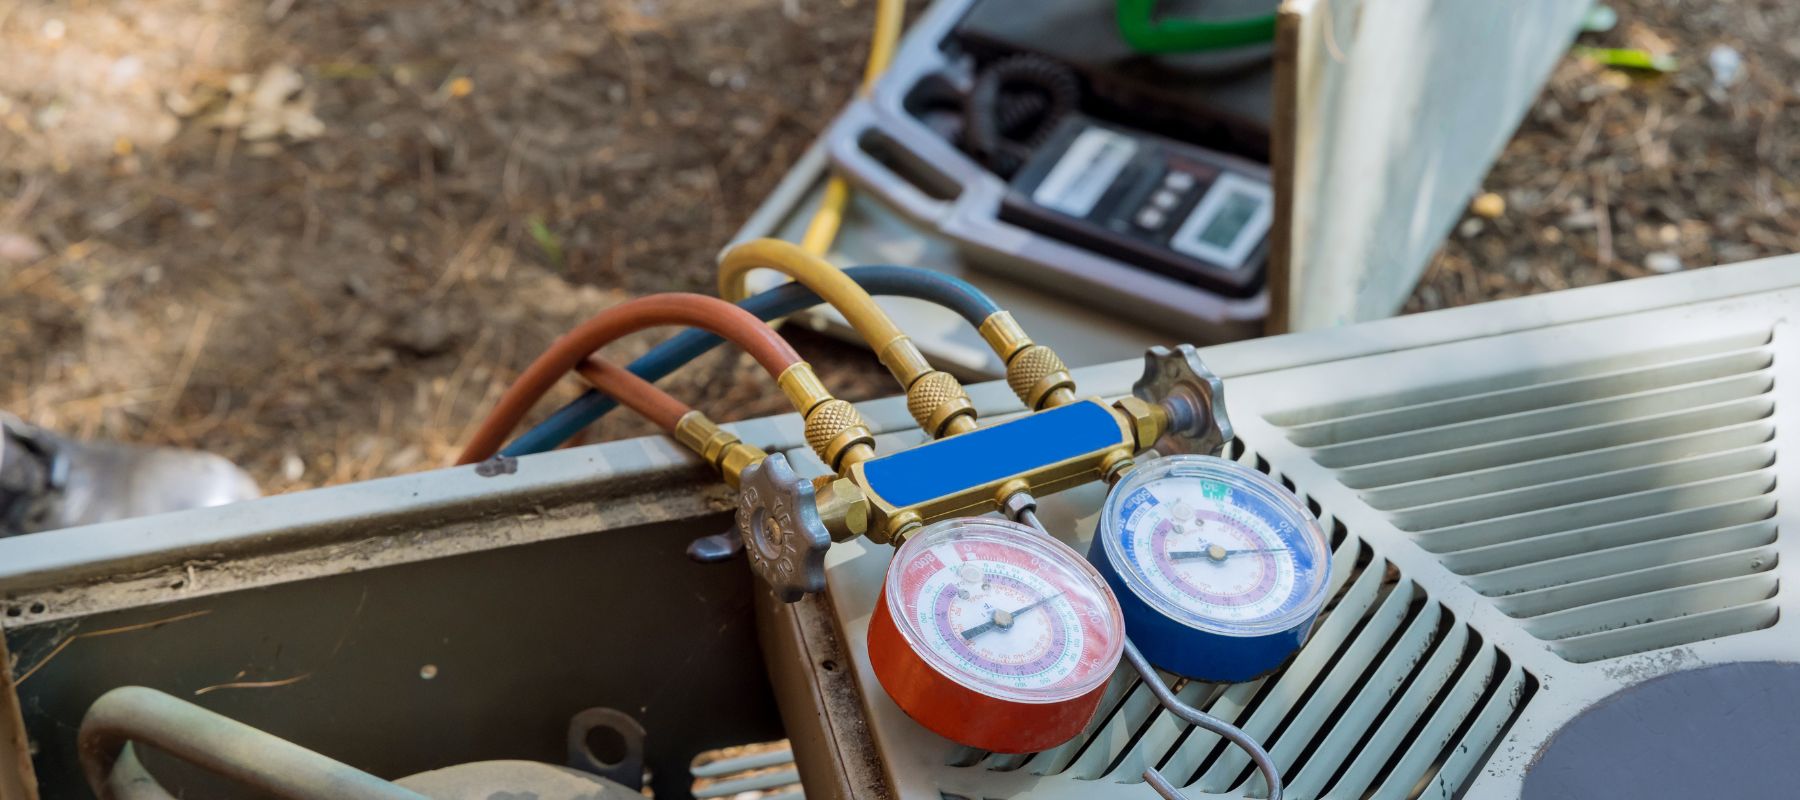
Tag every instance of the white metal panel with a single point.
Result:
(1399, 106)
(1534, 503)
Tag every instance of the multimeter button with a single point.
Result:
(1165, 200)
(1150, 219)
(1178, 181)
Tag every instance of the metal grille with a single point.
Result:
(1391, 697)
(1614, 506)
(747, 772)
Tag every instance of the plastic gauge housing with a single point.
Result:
(994, 635)
(1219, 570)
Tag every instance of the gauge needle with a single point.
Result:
(1004, 619)
(1218, 553)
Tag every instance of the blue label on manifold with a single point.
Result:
(993, 453)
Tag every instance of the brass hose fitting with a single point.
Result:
(1035, 373)
(936, 399)
(939, 405)
(834, 429)
(837, 433)
(720, 448)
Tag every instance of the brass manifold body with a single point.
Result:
(849, 506)
(857, 506)
(1177, 406)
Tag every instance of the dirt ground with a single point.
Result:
(319, 238)
(1624, 174)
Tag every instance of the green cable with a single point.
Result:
(1146, 35)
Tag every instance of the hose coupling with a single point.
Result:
(938, 402)
(722, 449)
(834, 429)
(1035, 373)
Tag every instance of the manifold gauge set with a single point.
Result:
(999, 637)
(989, 630)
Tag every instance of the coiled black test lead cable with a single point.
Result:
(1014, 105)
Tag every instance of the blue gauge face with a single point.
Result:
(1216, 546)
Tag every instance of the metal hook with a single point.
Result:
(1025, 511)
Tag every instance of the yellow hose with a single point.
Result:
(934, 398)
(890, 15)
(823, 229)
(817, 274)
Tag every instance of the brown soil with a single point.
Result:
(340, 303)
(318, 238)
(1614, 174)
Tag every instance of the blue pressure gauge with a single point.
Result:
(1219, 570)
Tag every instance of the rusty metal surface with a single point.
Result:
(816, 690)
(84, 571)
(17, 780)
(515, 641)
(220, 745)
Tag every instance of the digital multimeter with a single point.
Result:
(1193, 214)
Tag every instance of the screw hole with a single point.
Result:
(180, 583)
(829, 666)
(38, 607)
(606, 744)
(15, 611)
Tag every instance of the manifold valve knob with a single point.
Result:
(778, 519)
(1194, 397)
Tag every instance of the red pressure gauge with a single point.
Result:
(994, 635)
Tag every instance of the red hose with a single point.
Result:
(634, 392)
(691, 310)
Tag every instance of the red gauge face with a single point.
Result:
(999, 611)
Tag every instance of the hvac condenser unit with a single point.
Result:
(1557, 537)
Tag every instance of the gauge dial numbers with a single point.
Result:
(1219, 569)
(994, 636)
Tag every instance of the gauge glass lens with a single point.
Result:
(1216, 545)
(1005, 610)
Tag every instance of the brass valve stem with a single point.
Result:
(834, 429)
(1035, 373)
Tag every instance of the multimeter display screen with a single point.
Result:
(1233, 215)
(1155, 204)
(1228, 223)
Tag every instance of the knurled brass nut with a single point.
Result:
(841, 445)
(935, 399)
(1035, 372)
(827, 420)
(1042, 391)
(833, 426)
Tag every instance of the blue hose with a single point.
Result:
(952, 293)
